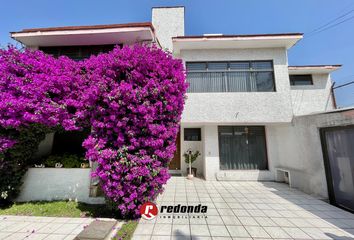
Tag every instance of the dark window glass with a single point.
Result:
(239, 65)
(301, 80)
(217, 66)
(77, 52)
(196, 66)
(242, 147)
(192, 134)
(262, 65)
(240, 76)
(264, 81)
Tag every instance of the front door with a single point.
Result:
(175, 163)
(338, 151)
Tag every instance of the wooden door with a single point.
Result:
(175, 163)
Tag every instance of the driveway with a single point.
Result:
(245, 210)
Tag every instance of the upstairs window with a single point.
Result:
(240, 76)
(300, 80)
(77, 52)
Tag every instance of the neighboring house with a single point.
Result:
(244, 100)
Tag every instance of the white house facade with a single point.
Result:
(244, 101)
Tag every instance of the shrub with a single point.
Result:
(68, 160)
(132, 98)
(15, 160)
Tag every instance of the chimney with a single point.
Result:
(168, 22)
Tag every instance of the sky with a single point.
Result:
(332, 46)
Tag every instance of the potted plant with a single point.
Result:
(189, 157)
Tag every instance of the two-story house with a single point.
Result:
(242, 98)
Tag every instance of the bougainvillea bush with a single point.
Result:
(131, 98)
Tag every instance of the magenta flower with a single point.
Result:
(131, 98)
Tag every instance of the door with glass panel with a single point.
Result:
(242, 147)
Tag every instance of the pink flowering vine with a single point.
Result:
(131, 98)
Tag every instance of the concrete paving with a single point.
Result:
(49, 228)
(245, 210)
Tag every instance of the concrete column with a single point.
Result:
(211, 151)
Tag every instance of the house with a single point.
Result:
(245, 104)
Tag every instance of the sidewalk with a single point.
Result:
(48, 228)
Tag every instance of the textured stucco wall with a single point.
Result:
(47, 184)
(313, 98)
(211, 159)
(299, 149)
(194, 146)
(245, 107)
(168, 22)
(210, 151)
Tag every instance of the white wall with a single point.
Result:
(46, 184)
(168, 22)
(194, 146)
(299, 149)
(212, 159)
(241, 107)
(211, 151)
(313, 98)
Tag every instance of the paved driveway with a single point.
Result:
(51, 228)
(245, 210)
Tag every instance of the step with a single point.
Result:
(99, 230)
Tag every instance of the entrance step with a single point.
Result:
(175, 173)
(100, 230)
(245, 175)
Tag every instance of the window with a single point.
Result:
(245, 76)
(301, 80)
(77, 52)
(192, 134)
(242, 147)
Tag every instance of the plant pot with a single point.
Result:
(190, 176)
(85, 165)
(194, 171)
(58, 165)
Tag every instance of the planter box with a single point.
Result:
(47, 184)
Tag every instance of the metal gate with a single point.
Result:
(338, 152)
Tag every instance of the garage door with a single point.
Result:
(338, 151)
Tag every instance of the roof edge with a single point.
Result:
(180, 6)
(87, 27)
(240, 35)
(316, 66)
